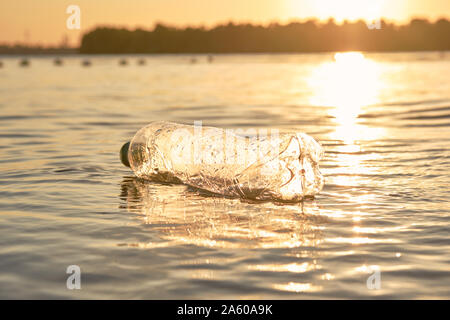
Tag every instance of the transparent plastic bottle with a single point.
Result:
(256, 165)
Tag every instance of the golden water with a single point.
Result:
(65, 199)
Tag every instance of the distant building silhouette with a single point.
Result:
(20, 49)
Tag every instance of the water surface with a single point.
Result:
(65, 198)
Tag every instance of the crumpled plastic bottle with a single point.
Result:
(276, 167)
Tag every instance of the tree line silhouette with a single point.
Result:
(307, 36)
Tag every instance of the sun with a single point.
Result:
(341, 10)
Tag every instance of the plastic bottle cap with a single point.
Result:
(124, 154)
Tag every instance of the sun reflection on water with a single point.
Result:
(347, 85)
(292, 267)
(297, 287)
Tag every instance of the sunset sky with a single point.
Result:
(44, 21)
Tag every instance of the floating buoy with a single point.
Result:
(57, 62)
(24, 63)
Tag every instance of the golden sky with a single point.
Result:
(44, 21)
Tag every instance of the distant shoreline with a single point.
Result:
(75, 52)
(296, 38)
(36, 50)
